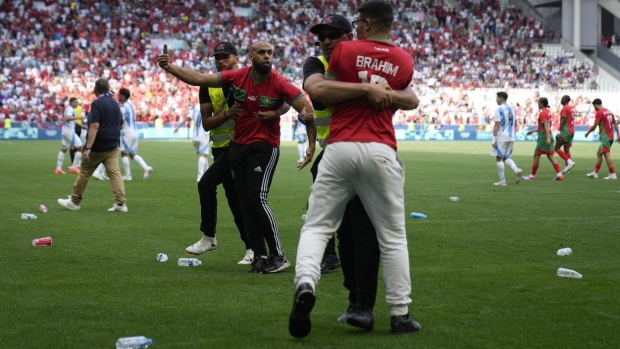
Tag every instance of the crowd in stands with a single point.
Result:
(53, 50)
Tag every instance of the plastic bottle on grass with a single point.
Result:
(138, 342)
(565, 251)
(418, 215)
(189, 262)
(568, 273)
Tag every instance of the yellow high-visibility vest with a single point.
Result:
(223, 135)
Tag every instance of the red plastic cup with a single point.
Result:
(46, 241)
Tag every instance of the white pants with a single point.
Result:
(70, 138)
(503, 149)
(201, 144)
(376, 173)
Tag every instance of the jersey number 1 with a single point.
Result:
(374, 79)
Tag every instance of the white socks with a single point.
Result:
(60, 160)
(512, 165)
(500, 170)
(76, 159)
(100, 169)
(125, 160)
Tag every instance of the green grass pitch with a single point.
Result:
(483, 268)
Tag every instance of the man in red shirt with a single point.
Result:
(255, 150)
(606, 122)
(567, 132)
(360, 159)
(544, 143)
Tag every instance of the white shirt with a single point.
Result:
(69, 125)
(506, 116)
(199, 132)
(128, 111)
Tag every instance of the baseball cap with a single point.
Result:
(332, 21)
(224, 47)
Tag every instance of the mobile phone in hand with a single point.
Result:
(165, 49)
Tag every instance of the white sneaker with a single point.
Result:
(127, 178)
(611, 176)
(500, 184)
(204, 245)
(519, 176)
(67, 203)
(592, 174)
(248, 259)
(569, 166)
(99, 176)
(147, 172)
(118, 208)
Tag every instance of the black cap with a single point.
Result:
(332, 21)
(597, 101)
(224, 47)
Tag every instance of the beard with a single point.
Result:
(262, 69)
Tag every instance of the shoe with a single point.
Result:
(568, 167)
(68, 203)
(258, 264)
(611, 176)
(347, 313)
(248, 258)
(299, 324)
(74, 170)
(118, 208)
(106, 177)
(330, 263)
(204, 245)
(500, 184)
(529, 178)
(147, 172)
(403, 325)
(98, 176)
(127, 178)
(518, 176)
(592, 175)
(559, 177)
(59, 171)
(276, 264)
(362, 317)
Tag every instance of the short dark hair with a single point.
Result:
(566, 97)
(125, 92)
(102, 86)
(72, 99)
(597, 101)
(544, 101)
(503, 95)
(380, 11)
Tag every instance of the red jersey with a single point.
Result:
(255, 96)
(368, 61)
(605, 121)
(567, 111)
(544, 117)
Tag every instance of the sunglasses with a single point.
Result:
(330, 35)
(354, 23)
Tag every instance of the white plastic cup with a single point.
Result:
(565, 251)
(454, 198)
(42, 208)
(162, 257)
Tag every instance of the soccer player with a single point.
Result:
(70, 139)
(255, 151)
(504, 138)
(200, 140)
(606, 122)
(567, 132)
(129, 137)
(302, 137)
(544, 142)
(360, 158)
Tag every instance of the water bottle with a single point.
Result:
(28, 216)
(418, 215)
(189, 262)
(568, 273)
(454, 198)
(565, 251)
(138, 342)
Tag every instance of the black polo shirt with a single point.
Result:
(106, 111)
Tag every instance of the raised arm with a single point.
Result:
(188, 76)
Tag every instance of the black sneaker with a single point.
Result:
(258, 265)
(362, 317)
(404, 325)
(276, 264)
(299, 324)
(329, 263)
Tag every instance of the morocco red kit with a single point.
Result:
(567, 111)
(374, 60)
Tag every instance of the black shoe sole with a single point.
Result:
(360, 324)
(299, 324)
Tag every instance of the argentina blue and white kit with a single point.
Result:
(506, 116)
(69, 137)
(200, 138)
(129, 134)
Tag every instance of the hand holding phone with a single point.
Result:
(165, 49)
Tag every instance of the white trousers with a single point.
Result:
(376, 173)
